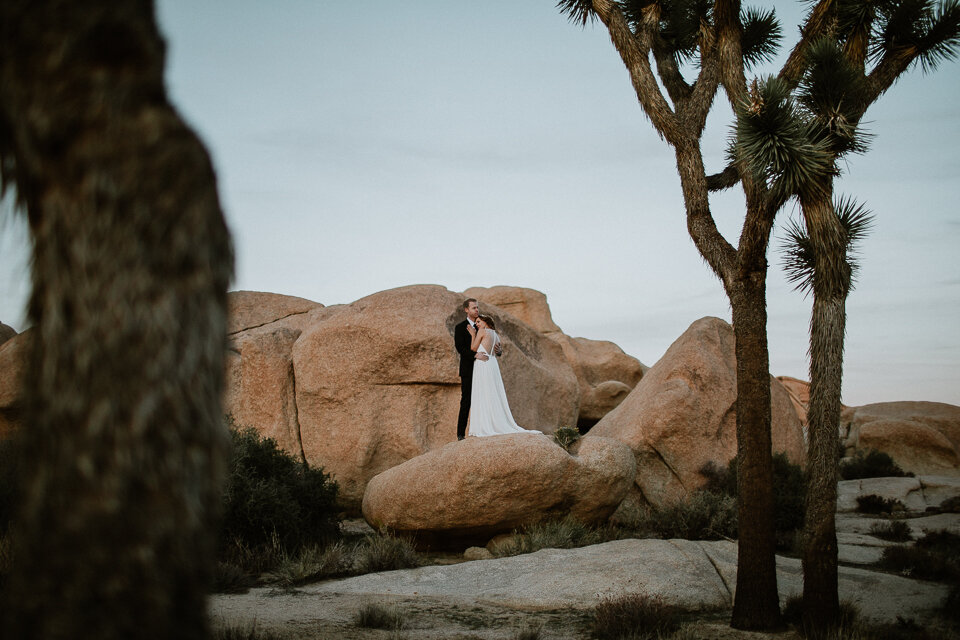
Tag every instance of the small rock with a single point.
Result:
(477, 553)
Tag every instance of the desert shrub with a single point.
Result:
(895, 530)
(273, 499)
(950, 609)
(934, 556)
(634, 616)
(383, 552)
(254, 560)
(942, 542)
(566, 436)
(229, 578)
(950, 505)
(529, 631)
(702, 516)
(719, 479)
(374, 615)
(251, 632)
(871, 464)
(789, 491)
(849, 626)
(310, 564)
(567, 533)
(875, 504)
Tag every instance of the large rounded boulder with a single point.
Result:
(921, 437)
(259, 388)
(467, 492)
(377, 381)
(681, 416)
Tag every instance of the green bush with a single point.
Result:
(384, 553)
(704, 515)
(634, 616)
(273, 499)
(875, 504)
(934, 556)
(566, 437)
(789, 491)
(567, 533)
(950, 505)
(895, 530)
(871, 464)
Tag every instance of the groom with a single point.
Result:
(463, 335)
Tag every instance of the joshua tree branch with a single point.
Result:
(726, 179)
(634, 51)
(817, 24)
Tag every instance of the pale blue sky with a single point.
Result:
(372, 144)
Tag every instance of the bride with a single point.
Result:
(489, 412)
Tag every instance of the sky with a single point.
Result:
(367, 145)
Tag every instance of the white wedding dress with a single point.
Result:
(489, 411)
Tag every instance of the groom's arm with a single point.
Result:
(462, 340)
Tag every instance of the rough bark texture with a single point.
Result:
(742, 271)
(125, 438)
(821, 603)
(757, 604)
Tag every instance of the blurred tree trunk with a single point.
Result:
(124, 439)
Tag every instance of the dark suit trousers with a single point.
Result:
(466, 386)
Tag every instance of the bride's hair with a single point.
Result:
(489, 321)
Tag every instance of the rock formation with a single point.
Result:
(359, 388)
(921, 437)
(467, 492)
(682, 415)
(6, 332)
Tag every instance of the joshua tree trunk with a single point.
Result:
(124, 436)
(831, 283)
(757, 604)
(744, 272)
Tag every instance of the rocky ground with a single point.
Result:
(556, 589)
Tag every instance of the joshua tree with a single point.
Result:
(723, 42)
(791, 130)
(796, 129)
(124, 436)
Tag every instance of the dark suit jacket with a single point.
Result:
(462, 339)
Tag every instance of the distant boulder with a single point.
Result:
(467, 492)
(921, 437)
(682, 415)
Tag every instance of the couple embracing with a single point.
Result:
(483, 399)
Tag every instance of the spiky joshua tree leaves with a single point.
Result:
(791, 135)
(791, 129)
